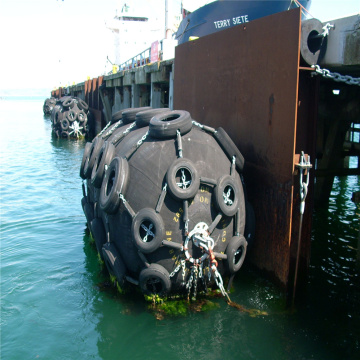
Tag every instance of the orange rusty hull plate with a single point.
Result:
(245, 79)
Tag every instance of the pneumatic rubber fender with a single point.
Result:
(118, 115)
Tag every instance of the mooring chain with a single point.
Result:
(179, 142)
(347, 79)
(204, 127)
(226, 197)
(148, 231)
(105, 128)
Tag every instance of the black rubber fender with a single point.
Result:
(114, 262)
(227, 184)
(147, 230)
(143, 118)
(84, 159)
(155, 280)
(236, 252)
(98, 232)
(89, 212)
(95, 148)
(114, 182)
(103, 159)
(229, 148)
(179, 168)
(166, 125)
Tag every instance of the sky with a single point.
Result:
(50, 43)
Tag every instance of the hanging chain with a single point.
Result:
(327, 74)
(105, 128)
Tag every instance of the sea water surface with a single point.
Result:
(54, 306)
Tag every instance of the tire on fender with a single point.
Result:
(64, 124)
(147, 230)
(227, 195)
(84, 159)
(143, 118)
(103, 159)
(236, 251)
(95, 148)
(114, 262)
(71, 116)
(183, 179)
(128, 116)
(155, 280)
(229, 148)
(114, 182)
(166, 125)
(68, 103)
(98, 232)
(82, 105)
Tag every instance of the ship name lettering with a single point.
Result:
(240, 19)
(222, 23)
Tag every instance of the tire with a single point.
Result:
(82, 105)
(98, 232)
(229, 148)
(227, 185)
(103, 159)
(81, 116)
(114, 263)
(147, 230)
(64, 134)
(250, 224)
(166, 125)
(143, 118)
(69, 103)
(236, 251)
(155, 280)
(95, 148)
(71, 116)
(64, 124)
(179, 168)
(128, 116)
(114, 182)
(85, 159)
(118, 116)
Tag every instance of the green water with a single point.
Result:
(54, 304)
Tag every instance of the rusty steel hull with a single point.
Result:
(246, 80)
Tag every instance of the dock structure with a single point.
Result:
(254, 80)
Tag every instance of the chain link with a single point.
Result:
(142, 139)
(176, 270)
(105, 128)
(347, 79)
